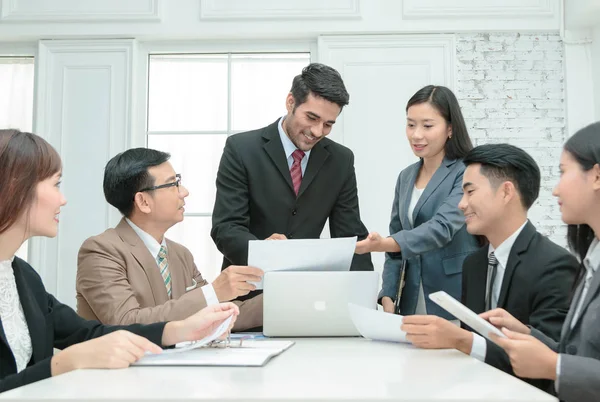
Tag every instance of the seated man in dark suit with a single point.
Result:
(133, 274)
(285, 180)
(520, 270)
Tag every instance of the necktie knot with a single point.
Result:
(492, 260)
(162, 253)
(298, 155)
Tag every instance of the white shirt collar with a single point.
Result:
(288, 145)
(591, 262)
(503, 250)
(151, 244)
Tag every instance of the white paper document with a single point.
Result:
(249, 354)
(377, 325)
(464, 314)
(301, 255)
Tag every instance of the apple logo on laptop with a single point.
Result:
(320, 306)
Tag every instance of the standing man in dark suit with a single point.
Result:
(285, 180)
(520, 270)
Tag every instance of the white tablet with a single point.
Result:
(469, 317)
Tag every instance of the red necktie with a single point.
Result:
(296, 169)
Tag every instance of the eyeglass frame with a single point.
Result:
(176, 183)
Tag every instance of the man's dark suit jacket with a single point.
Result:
(536, 288)
(255, 196)
(51, 325)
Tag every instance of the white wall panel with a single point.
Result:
(480, 9)
(80, 10)
(381, 73)
(268, 9)
(83, 110)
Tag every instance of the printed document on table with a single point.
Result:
(301, 255)
(377, 325)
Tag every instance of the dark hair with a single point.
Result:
(25, 160)
(505, 162)
(322, 81)
(444, 101)
(584, 147)
(127, 173)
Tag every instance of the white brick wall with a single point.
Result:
(510, 87)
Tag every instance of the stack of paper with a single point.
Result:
(301, 255)
(249, 354)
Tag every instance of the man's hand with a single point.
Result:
(234, 282)
(374, 242)
(501, 318)
(199, 325)
(433, 332)
(388, 304)
(118, 349)
(276, 236)
(529, 357)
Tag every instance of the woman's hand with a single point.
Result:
(199, 325)
(388, 304)
(116, 350)
(374, 242)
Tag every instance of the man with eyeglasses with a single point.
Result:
(132, 273)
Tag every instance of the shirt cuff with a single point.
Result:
(210, 295)
(479, 347)
(557, 374)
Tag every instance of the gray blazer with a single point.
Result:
(579, 348)
(436, 245)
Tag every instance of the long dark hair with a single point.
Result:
(25, 160)
(584, 147)
(444, 101)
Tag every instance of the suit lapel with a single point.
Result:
(437, 179)
(566, 328)
(147, 262)
(406, 194)
(33, 314)
(274, 148)
(514, 259)
(591, 294)
(318, 156)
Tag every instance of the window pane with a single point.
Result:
(16, 92)
(259, 85)
(194, 233)
(16, 102)
(196, 158)
(187, 93)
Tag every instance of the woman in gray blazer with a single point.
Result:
(573, 362)
(428, 234)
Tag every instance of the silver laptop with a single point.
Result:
(315, 303)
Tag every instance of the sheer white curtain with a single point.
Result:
(16, 100)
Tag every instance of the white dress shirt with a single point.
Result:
(154, 247)
(591, 262)
(414, 199)
(13, 318)
(479, 347)
(289, 148)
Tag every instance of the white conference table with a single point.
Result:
(319, 369)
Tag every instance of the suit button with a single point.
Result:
(294, 212)
(572, 349)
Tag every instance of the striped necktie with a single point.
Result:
(491, 277)
(163, 266)
(296, 170)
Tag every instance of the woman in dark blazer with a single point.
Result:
(573, 362)
(427, 229)
(32, 321)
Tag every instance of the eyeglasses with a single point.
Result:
(176, 183)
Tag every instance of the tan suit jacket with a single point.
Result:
(119, 283)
